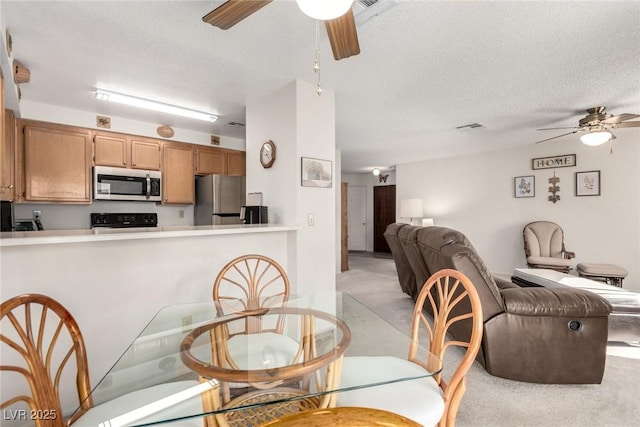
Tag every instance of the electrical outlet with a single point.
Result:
(310, 220)
(181, 213)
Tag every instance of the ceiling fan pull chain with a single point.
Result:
(316, 67)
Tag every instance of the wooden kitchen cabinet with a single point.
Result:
(178, 184)
(145, 154)
(210, 161)
(236, 163)
(125, 151)
(57, 163)
(8, 177)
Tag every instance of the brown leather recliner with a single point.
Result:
(539, 335)
(406, 276)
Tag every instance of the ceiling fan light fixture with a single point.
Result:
(107, 95)
(324, 10)
(595, 138)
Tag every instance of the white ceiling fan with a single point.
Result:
(597, 126)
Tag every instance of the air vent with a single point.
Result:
(470, 126)
(236, 124)
(366, 10)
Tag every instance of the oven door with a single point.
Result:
(126, 184)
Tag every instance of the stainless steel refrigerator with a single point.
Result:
(219, 199)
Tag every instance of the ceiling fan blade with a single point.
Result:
(620, 118)
(628, 125)
(231, 12)
(554, 137)
(569, 127)
(343, 36)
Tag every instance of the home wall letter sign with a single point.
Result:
(563, 161)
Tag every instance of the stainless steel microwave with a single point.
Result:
(126, 184)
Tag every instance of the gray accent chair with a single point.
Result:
(544, 246)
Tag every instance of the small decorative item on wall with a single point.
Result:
(554, 188)
(524, 186)
(383, 178)
(103, 122)
(165, 131)
(588, 183)
(316, 173)
(215, 140)
(562, 161)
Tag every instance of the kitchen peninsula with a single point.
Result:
(114, 280)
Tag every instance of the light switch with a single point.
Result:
(310, 219)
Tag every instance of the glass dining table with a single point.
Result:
(236, 363)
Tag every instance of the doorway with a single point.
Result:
(384, 213)
(357, 206)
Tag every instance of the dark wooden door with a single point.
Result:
(384, 213)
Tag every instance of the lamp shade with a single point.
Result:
(411, 208)
(325, 9)
(595, 138)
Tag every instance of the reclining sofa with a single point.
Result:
(531, 334)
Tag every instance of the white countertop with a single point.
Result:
(21, 238)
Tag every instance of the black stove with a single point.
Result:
(124, 220)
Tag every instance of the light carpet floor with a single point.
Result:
(493, 401)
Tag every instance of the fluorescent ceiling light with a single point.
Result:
(595, 138)
(325, 9)
(107, 95)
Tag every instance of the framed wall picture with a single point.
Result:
(588, 183)
(524, 186)
(316, 173)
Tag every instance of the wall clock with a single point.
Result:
(267, 154)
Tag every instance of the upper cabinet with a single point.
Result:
(222, 161)
(236, 163)
(8, 177)
(178, 185)
(126, 151)
(210, 160)
(57, 163)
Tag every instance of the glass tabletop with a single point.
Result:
(236, 356)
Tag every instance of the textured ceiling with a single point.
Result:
(425, 67)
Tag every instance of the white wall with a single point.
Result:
(474, 194)
(368, 180)
(301, 124)
(87, 119)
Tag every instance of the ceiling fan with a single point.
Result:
(339, 21)
(598, 124)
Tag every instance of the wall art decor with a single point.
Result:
(316, 173)
(524, 186)
(554, 188)
(562, 161)
(588, 183)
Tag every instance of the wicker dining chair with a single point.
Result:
(431, 400)
(44, 359)
(252, 282)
